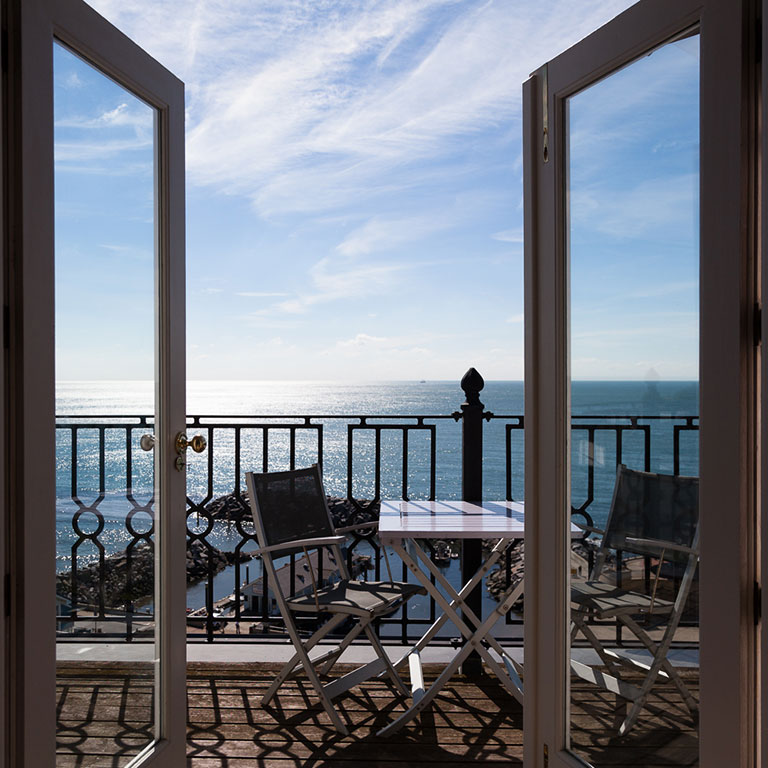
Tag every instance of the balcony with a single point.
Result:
(235, 639)
(104, 715)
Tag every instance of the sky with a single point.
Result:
(354, 192)
(634, 220)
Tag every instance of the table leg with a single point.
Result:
(423, 697)
(476, 632)
(481, 635)
(414, 554)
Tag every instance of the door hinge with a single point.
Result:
(545, 113)
(757, 325)
(757, 606)
(4, 51)
(546, 756)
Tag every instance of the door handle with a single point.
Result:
(147, 442)
(198, 444)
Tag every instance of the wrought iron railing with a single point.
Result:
(105, 504)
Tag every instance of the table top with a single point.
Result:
(451, 520)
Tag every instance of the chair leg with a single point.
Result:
(311, 673)
(660, 652)
(391, 671)
(639, 702)
(580, 625)
(295, 664)
(326, 702)
(659, 663)
(345, 643)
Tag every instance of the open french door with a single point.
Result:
(51, 45)
(641, 243)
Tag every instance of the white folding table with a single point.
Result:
(400, 524)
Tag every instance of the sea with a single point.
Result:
(108, 477)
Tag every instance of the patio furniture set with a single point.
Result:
(651, 514)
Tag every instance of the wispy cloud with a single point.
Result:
(680, 325)
(364, 340)
(98, 152)
(333, 282)
(664, 289)
(284, 105)
(354, 129)
(72, 81)
(383, 233)
(509, 236)
(129, 251)
(268, 320)
(664, 208)
(137, 116)
(114, 136)
(363, 343)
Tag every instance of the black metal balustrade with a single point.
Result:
(107, 503)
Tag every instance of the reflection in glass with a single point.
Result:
(105, 340)
(632, 167)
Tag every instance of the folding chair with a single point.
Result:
(290, 513)
(652, 515)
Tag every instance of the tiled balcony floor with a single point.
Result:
(105, 711)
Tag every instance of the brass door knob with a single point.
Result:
(197, 443)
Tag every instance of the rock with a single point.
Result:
(345, 512)
(113, 586)
(232, 508)
(496, 581)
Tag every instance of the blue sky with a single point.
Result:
(634, 242)
(354, 188)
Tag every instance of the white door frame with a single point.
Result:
(32, 27)
(727, 292)
(761, 534)
(4, 408)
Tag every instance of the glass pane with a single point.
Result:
(633, 208)
(105, 339)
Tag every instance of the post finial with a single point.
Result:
(472, 383)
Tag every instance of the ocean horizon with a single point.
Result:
(243, 397)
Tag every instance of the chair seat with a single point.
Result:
(609, 600)
(359, 598)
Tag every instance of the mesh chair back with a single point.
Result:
(647, 505)
(291, 505)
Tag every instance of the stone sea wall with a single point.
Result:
(496, 580)
(113, 585)
(231, 508)
(128, 576)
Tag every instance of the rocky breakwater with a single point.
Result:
(496, 581)
(235, 508)
(129, 577)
